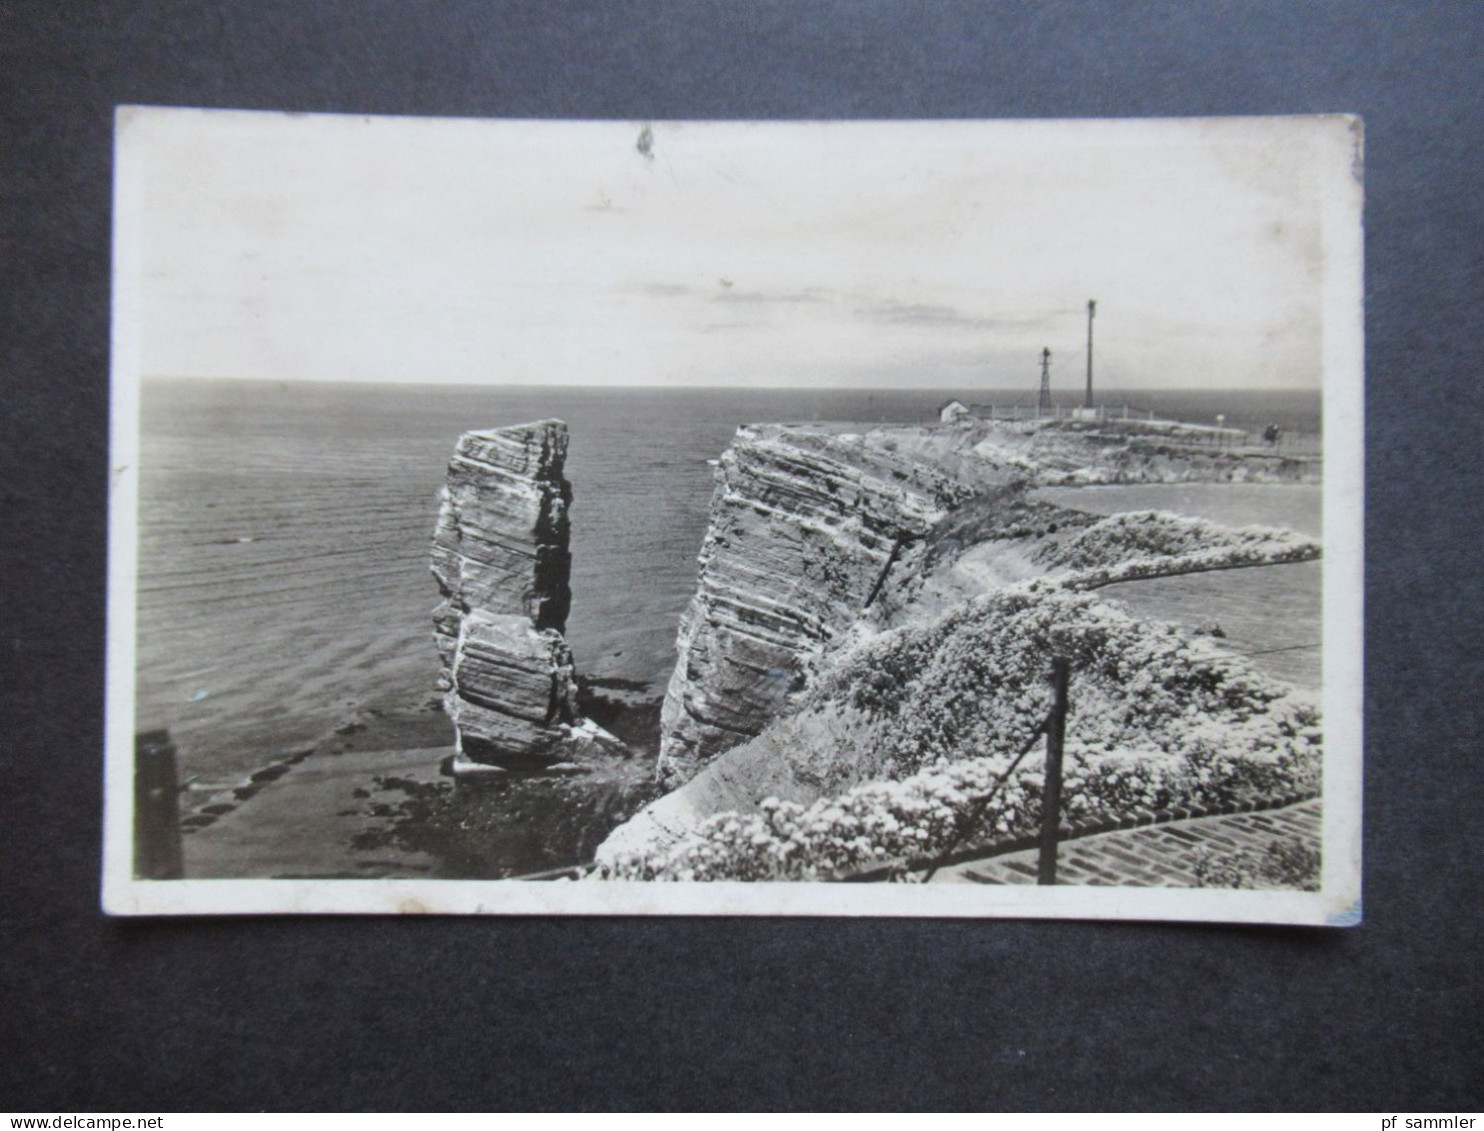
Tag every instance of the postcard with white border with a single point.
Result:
(808, 518)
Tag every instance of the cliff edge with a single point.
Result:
(808, 524)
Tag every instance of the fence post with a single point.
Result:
(156, 808)
(1056, 732)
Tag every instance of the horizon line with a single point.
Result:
(1029, 389)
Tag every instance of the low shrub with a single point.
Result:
(975, 682)
(921, 816)
(1285, 863)
(1143, 544)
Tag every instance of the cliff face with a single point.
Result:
(807, 525)
(502, 563)
(951, 663)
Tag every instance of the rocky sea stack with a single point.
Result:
(502, 560)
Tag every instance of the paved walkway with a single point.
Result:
(1196, 853)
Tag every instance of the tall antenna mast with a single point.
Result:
(1043, 403)
(1092, 306)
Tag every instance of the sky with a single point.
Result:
(880, 255)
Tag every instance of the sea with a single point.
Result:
(284, 530)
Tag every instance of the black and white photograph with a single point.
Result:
(951, 518)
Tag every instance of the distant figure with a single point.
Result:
(1270, 434)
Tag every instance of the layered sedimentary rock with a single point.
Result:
(807, 524)
(502, 563)
(512, 694)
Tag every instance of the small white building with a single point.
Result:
(951, 411)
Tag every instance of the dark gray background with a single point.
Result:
(377, 1013)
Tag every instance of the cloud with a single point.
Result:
(663, 290)
(894, 312)
(735, 324)
(787, 298)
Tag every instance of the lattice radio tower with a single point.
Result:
(1043, 403)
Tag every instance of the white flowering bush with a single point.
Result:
(911, 821)
(1144, 544)
(974, 682)
(1158, 722)
(887, 820)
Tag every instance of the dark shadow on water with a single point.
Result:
(499, 829)
(519, 824)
